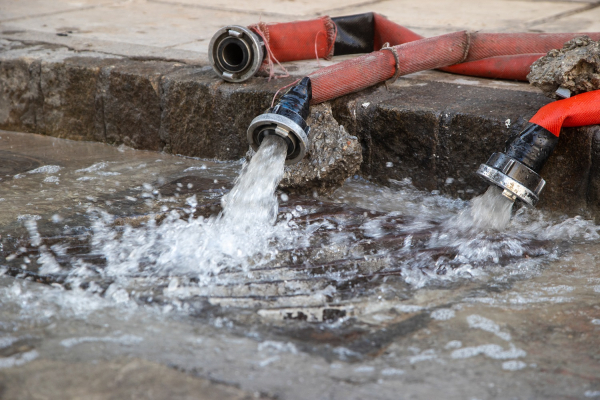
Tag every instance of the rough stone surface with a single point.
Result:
(20, 94)
(435, 134)
(69, 88)
(568, 171)
(593, 187)
(120, 379)
(333, 155)
(205, 117)
(575, 67)
(130, 98)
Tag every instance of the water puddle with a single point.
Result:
(341, 276)
(171, 239)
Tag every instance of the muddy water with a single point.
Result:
(110, 253)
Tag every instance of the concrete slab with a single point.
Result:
(138, 22)
(15, 9)
(431, 17)
(181, 29)
(287, 8)
(588, 21)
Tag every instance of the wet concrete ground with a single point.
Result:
(368, 307)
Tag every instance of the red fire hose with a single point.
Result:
(490, 55)
(580, 110)
(436, 52)
(400, 51)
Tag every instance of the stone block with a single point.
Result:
(20, 95)
(69, 88)
(434, 133)
(593, 188)
(333, 156)
(567, 173)
(205, 117)
(130, 98)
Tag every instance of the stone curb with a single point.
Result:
(434, 133)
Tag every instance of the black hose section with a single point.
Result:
(355, 34)
(533, 146)
(296, 100)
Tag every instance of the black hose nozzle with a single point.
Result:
(236, 53)
(286, 120)
(516, 170)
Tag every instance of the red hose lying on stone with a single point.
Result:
(514, 67)
(299, 40)
(490, 55)
(477, 54)
(580, 110)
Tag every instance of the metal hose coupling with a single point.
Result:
(286, 120)
(517, 169)
(236, 53)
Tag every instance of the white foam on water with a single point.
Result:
(426, 355)
(277, 347)
(94, 167)
(453, 344)
(46, 169)
(18, 360)
(126, 340)
(513, 365)
(392, 372)
(478, 322)
(443, 314)
(52, 179)
(490, 350)
(7, 341)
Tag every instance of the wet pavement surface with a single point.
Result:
(371, 292)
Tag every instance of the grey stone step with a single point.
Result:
(432, 128)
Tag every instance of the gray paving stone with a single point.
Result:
(130, 97)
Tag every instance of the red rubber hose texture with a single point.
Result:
(580, 110)
(514, 67)
(487, 55)
(292, 41)
(368, 70)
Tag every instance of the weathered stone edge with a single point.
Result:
(435, 134)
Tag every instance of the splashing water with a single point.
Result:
(252, 200)
(491, 210)
(202, 247)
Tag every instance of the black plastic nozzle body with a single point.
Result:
(532, 147)
(295, 104)
(286, 120)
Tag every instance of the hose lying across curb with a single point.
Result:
(236, 52)
(392, 50)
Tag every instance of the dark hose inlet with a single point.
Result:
(517, 169)
(286, 120)
(236, 53)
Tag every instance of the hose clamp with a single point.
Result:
(517, 180)
(276, 124)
